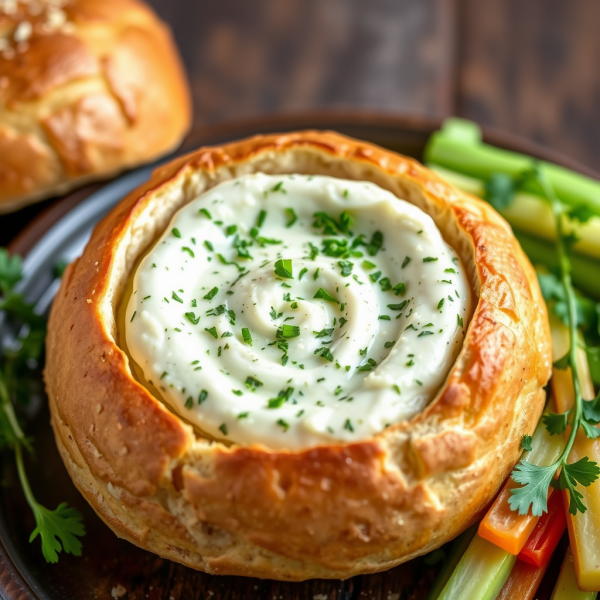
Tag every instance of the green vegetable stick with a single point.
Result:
(480, 574)
(456, 549)
(458, 146)
(566, 587)
(532, 214)
(585, 270)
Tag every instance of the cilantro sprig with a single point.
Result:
(536, 480)
(61, 528)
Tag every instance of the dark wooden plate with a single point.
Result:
(112, 568)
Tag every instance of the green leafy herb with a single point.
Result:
(346, 267)
(246, 335)
(223, 429)
(262, 215)
(212, 331)
(191, 317)
(176, 297)
(374, 246)
(282, 397)
(324, 333)
(202, 396)
(291, 215)
(321, 293)
(176, 232)
(283, 268)
(58, 529)
(252, 383)
(288, 331)
(224, 261)
(526, 443)
(205, 212)
(211, 294)
(385, 284)
(325, 353)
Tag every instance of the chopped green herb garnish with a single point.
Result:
(176, 232)
(459, 320)
(243, 415)
(321, 293)
(375, 276)
(302, 272)
(348, 426)
(247, 337)
(343, 322)
(425, 333)
(205, 212)
(189, 403)
(399, 289)
(191, 317)
(384, 317)
(429, 259)
(385, 284)
(237, 392)
(367, 264)
(323, 333)
(223, 429)
(282, 397)
(278, 187)
(346, 267)
(389, 344)
(231, 229)
(202, 396)
(209, 245)
(291, 215)
(176, 297)
(211, 294)
(288, 331)
(399, 306)
(133, 316)
(440, 304)
(262, 215)
(325, 353)
(283, 268)
(189, 251)
(224, 261)
(283, 424)
(212, 331)
(253, 383)
(375, 244)
(405, 261)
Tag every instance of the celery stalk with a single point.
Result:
(463, 153)
(480, 574)
(566, 587)
(454, 553)
(585, 270)
(532, 214)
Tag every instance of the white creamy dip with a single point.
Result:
(297, 310)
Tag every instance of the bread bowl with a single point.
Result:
(329, 510)
(87, 88)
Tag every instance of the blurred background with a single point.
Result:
(525, 66)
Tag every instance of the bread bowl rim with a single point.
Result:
(423, 461)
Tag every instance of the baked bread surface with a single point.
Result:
(331, 511)
(87, 88)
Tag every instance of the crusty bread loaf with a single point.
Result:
(87, 88)
(329, 511)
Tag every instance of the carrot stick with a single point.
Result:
(523, 581)
(505, 527)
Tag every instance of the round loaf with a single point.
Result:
(331, 511)
(87, 88)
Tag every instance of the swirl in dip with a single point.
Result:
(297, 310)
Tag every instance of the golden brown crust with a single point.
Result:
(91, 86)
(331, 511)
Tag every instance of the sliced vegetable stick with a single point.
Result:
(523, 581)
(566, 587)
(545, 537)
(480, 574)
(584, 529)
(505, 527)
(455, 552)
(532, 214)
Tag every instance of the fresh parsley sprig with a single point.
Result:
(61, 528)
(536, 480)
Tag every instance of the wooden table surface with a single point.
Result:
(529, 67)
